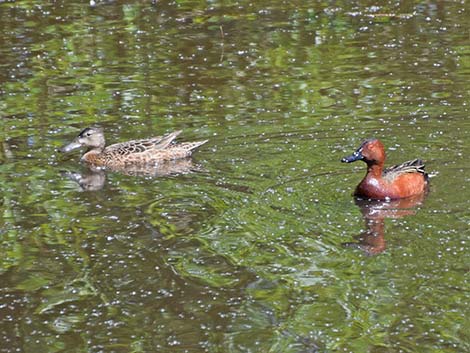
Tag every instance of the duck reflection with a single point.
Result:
(87, 181)
(372, 241)
(94, 179)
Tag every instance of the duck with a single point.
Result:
(396, 182)
(150, 151)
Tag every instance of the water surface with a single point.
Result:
(263, 248)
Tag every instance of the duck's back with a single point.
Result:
(146, 151)
(413, 166)
(141, 146)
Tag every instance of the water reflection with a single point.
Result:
(87, 181)
(94, 178)
(372, 241)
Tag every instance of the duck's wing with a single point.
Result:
(143, 145)
(180, 150)
(414, 166)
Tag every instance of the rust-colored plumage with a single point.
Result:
(151, 151)
(396, 182)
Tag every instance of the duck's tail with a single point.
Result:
(191, 146)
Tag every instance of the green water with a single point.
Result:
(262, 248)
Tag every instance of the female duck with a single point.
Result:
(396, 182)
(131, 153)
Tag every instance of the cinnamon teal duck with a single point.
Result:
(151, 151)
(396, 182)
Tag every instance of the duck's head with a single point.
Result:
(91, 137)
(370, 151)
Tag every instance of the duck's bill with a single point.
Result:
(356, 156)
(70, 147)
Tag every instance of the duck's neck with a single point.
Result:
(95, 149)
(374, 170)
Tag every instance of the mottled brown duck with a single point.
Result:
(151, 151)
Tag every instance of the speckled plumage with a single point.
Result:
(149, 151)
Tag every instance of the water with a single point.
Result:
(263, 248)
